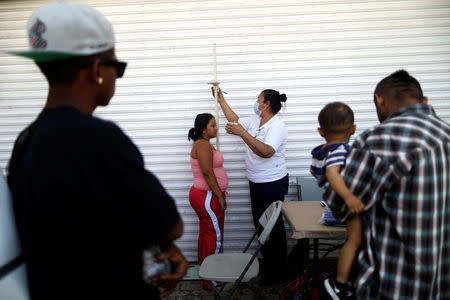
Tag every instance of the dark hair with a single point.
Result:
(201, 121)
(275, 99)
(399, 86)
(65, 71)
(336, 118)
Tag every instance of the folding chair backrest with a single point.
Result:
(268, 220)
(308, 189)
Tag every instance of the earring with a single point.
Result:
(100, 80)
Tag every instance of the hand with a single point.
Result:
(220, 97)
(354, 204)
(179, 266)
(223, 204)
(234, 128)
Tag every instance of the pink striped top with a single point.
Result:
(221, 175)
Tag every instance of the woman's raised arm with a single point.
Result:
(228, 112)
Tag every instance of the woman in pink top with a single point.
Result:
(207, 195)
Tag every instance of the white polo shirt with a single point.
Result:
(273, 133)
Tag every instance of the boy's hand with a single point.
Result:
(354, 204)
(338, 184)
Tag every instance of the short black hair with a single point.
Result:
(399, 86)
(200, 123)
(65, 71)
(336, 118)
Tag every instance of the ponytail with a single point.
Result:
(192, 135)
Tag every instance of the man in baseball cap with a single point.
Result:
(85, 206)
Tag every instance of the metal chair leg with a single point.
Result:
(219, 294)
(233, 289)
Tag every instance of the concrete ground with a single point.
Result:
(191, 289)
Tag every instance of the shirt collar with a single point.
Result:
(320, 152)
(268, 122)
(414, 109)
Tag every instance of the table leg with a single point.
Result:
(298, 258)
(316, 255)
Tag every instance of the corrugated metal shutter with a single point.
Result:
(314, 51)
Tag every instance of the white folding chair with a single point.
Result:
(239, 268)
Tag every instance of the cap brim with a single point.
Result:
(42, 56)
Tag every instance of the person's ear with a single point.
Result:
(352, 131)
(380, 101)
(95, 75)
(425, 100)
(321, 132)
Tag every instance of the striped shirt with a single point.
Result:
(400, 170)
(324, 157)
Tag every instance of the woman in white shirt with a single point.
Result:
(265, 136)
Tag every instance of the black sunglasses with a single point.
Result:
(118, 65)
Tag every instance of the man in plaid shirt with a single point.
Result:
(400, 170)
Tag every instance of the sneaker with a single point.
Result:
(351, 292)
(338, 291)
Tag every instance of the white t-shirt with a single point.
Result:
(273, 133)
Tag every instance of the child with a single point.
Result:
(336, 126)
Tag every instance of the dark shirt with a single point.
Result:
(86, 208)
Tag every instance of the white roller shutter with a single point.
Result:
(314, 51)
